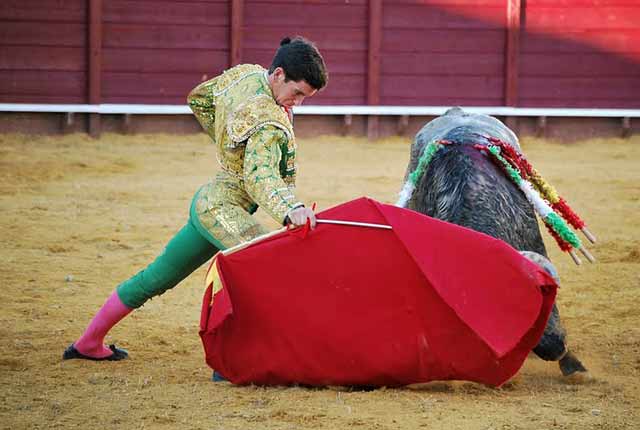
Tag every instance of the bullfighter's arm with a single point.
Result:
(200, 101)
(262, 178)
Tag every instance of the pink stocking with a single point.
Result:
(91, 342)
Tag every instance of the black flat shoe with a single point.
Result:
(118, 354)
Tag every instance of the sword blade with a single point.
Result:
(353, 223)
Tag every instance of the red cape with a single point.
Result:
(427, 300)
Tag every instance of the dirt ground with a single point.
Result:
(78, 216)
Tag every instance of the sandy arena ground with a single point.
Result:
(78, 216)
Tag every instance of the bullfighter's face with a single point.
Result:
(289, 93)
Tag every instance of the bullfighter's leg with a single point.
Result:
(187, 251)
(553, 345)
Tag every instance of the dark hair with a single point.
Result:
(300, 60)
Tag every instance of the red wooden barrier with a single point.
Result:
(567, 53)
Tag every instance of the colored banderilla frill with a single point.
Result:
(413, 178)
(546, 190)
(536, 190)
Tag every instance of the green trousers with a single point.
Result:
(187, 251)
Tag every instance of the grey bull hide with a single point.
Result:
(463, 186)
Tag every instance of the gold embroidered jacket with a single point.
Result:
(256, 149)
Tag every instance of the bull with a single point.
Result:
(462, 185)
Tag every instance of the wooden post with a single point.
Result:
(127, 126)
(237, 22)
(512, 54)
(373, 74)
(626, 127)
(68, 123)
(403, 124)
(346, 125)
(95, 63)
(541, 126)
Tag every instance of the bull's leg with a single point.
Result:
(553, 345)
(570, 365)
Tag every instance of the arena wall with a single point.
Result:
(533, 53)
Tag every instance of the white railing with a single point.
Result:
(144, 109)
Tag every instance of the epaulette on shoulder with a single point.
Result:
(255, 113)
(235, 75)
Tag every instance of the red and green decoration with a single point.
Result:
(552, 209)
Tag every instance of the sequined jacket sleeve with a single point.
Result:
(262, 177)
(201, 103)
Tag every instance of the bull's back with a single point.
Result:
(463, 186)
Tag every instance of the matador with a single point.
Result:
(247, 113)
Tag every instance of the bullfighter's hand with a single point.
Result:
(299, 216)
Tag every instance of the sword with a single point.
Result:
(319, 221)
(353, 223)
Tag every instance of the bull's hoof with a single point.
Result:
(570, 365)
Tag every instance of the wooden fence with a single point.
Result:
(526, 53)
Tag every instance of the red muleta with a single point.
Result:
(426, 300)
